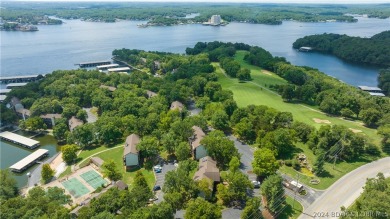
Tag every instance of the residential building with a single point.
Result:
(176, 105)
(49, 119)
(198, 150)
(74, 122)
(151, 94)
(209, 171)
(130, 152)
(112, 89)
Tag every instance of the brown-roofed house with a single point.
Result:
(130, 152)
(74, 122)
(49, 119)
(24, 113)
(150, 94)
(176, 105)
(198, 150)
(121, 185)
(208, 170)
(112, 89)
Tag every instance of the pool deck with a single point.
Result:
(76, 174)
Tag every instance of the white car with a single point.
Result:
(256, 184)
(157, 167)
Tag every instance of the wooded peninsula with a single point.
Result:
(173, 14)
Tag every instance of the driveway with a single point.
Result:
(306, 200)
(91, 118)
(160, 179)
(193, 110)
(346, 190)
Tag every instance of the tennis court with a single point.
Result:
(75, 187)
(93, 179)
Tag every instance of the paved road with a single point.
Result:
(160, 179)
(346, 190)
(35, 175)
(193, 110)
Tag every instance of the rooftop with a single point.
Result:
(74, 122)
(177, 105)
(4, 91)
(18, 138)
(107, 66)
(377, 94)
(151, 93)
(49, 116)
(207, 170)
(108, 87)
(131, 144)
(118, 69)
(29, 159)
(367, 88)
(2, 98)
(199, 135)
(15, 85)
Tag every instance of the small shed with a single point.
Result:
(121, 185)
(97, 161)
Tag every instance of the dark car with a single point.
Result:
(156, 187)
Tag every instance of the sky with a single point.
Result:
(236, 1)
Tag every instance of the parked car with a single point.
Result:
(157, 167)
(256, 184)
(157, 170)
(156, 188)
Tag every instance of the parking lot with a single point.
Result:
(160, 179)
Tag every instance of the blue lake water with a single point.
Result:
(62, 46)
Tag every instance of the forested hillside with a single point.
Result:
(373, 51)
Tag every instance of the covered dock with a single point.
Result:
(121, 69)
(305, 49)
(5, 91)
(29, 160)
(17, 79)
(93, 64)
(19, 140)
(105, 67)
(13, 85)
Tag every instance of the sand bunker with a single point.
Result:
(355, 130)
(266, 72)
(320, 121)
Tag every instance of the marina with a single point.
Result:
(121, 69)
(19, 140)
(13, 85)
(18, 79)
(93, 64)
(105, 67)
(30, 160)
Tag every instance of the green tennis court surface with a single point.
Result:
(93, 179)
(75, 187)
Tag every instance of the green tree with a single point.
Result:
(234, 164)
(8, 185)
(220, 148)
(47, 173)
(370, 116)
(220, 120)
(183, 151)
(60, 131)
(245, 131)
(264, 163)
(288, 92)
(200, 208)
(111, 171)
(69, 153)
(273, 191)
(252, 209)
(244, 74)
(33, 124)
(149, 147)
(346, 112)
(318, 166)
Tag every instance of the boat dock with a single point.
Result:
(93, 64)
(19, 140)
(30, 160)
(305, 49)
(105, 67)
(121, 69)
(18, 79)
(13, 85)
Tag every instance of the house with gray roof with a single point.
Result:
(130, 152)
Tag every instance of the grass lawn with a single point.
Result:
(255, 92)
(66, 172)
(292, 210)
(127, 176)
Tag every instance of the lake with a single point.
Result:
(62, 46)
